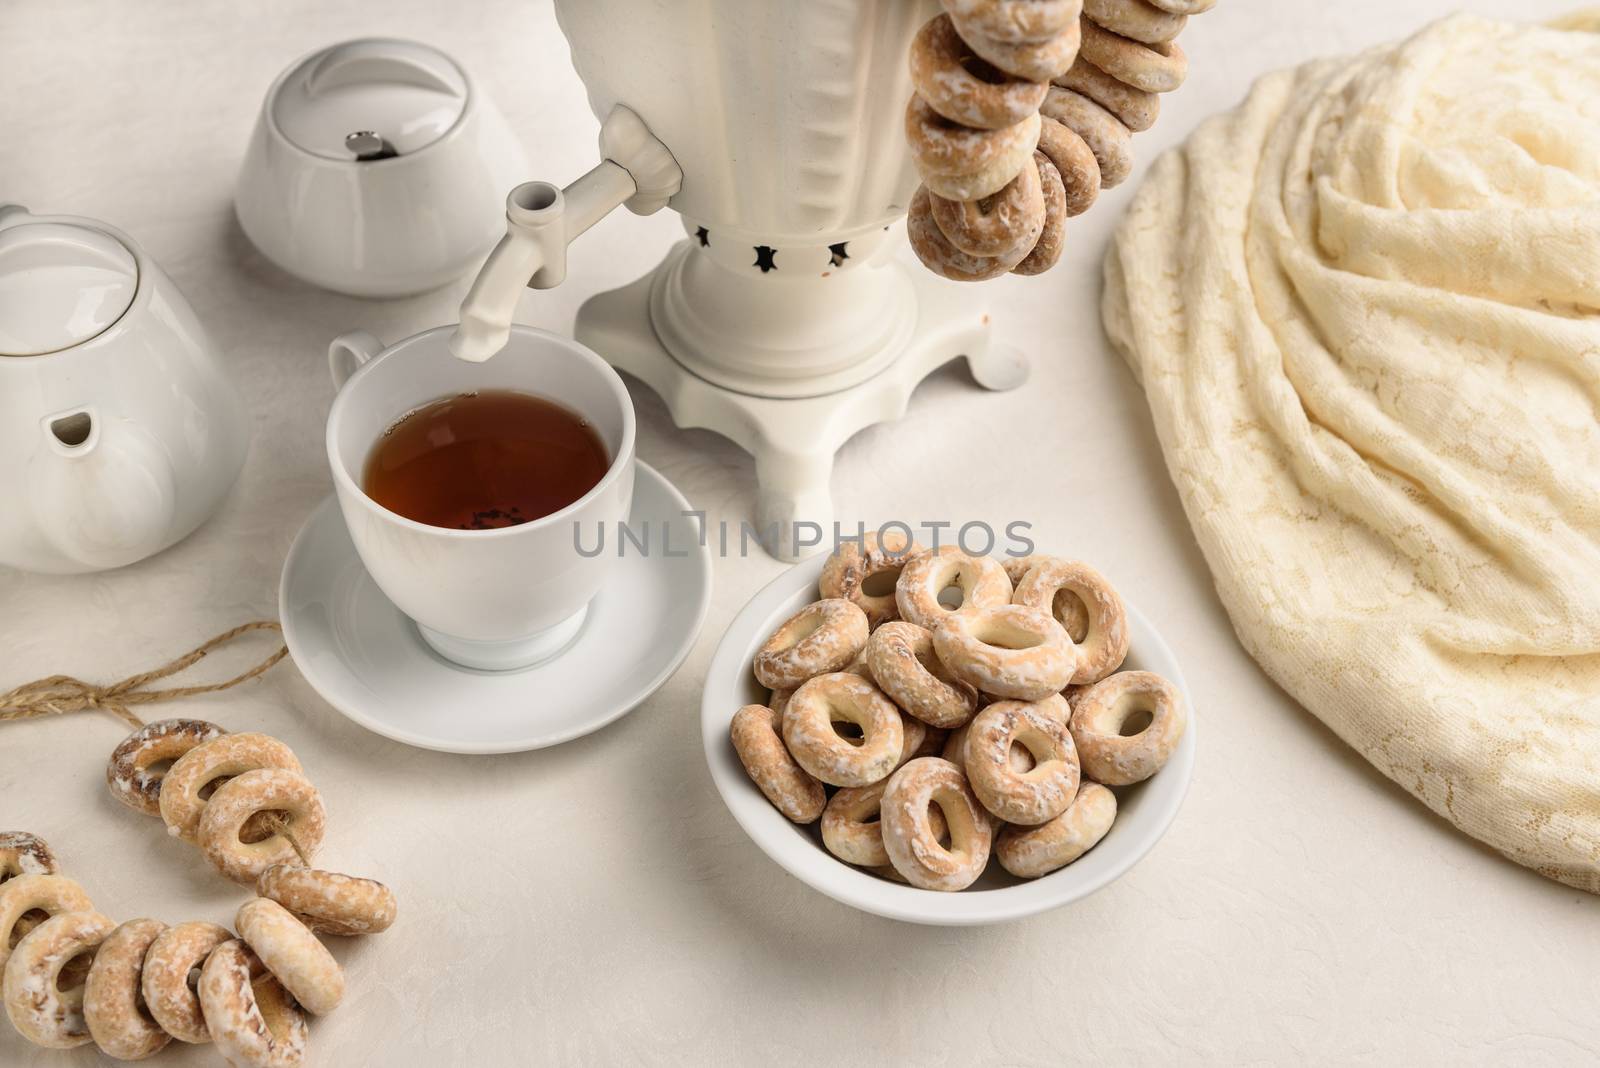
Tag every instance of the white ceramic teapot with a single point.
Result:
(119, 431)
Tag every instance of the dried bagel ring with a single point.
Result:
(758, 740)
(994, 225)
(173, 956)
(113, 1006)
(1083, 602)
(1053, 236)
(50, 894)
(1155, 68)
(1185, 7)
(1020, 760)
(1029, 852)
(903, 662)
(1134, 108)
(1106, 137)
(1137, 20)
(1113, 706)
(1035, 61)
(981, 581)
(1075, 162)
(913, 842)
(128, 772)
(852, 832)
(182, 790)
(941, 257)
(262, 790)
(292, 954)
(913, 735)
(24, 853)
(1037, 795)
(965, 88)
(874, 560)
(252, 1018)
(328, 902)
(42, 1010)
(1017, 20)
(822, 637)
(962, 163)
(1011, 651)
(817, 747)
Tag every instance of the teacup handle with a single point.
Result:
(347, 352)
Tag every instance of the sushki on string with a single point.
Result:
(658, 539)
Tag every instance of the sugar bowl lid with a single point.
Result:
(60, 285)
(369, 99)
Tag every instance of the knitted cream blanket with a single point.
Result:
(1365, 307)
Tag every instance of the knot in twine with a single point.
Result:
(58, 695)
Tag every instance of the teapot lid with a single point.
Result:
(60, 285)
(369, 99)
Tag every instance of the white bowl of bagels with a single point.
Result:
(739, 706)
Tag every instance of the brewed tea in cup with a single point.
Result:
(464, 485)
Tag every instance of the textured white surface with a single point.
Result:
(596, 903)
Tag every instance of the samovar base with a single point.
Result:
(794, 439)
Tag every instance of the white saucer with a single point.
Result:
(367, 659)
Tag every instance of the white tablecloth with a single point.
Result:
(1300, 907)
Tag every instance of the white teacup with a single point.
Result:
(490, 599)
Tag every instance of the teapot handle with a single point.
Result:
(348, 352)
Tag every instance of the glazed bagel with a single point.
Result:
(874, 560)
(981, 581)
(238, 799)
(164, 982)
(997, 225)
(42, 1010)
(292, 954)
(22, 853)
(1010, 651)
(851, 829)
(129, 773)
(825, 636)
(903, 663)
(1134, 108)
(912, 840)
(21, 895)
(1016, 21)
(1075, 162)
(1034, 61)
(757, 738)
(1084, 603)
(1029, 852)
(1185, 7)
(182, 797)
(955, 751)
(113, 1007)
(817, 747)
(1137, 20)
(1106, 137)
(1053, 235)
(1037, 795)
(1155, 68)
(961, 163)
(328, 902)
(965, 88)
(252, 1018)
(1102, 714)
(944, 259)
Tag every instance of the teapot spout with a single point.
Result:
(11, 214)
(541, 220)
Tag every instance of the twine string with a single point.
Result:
(58, 695)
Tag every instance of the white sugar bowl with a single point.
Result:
(377, 168)
(119, 429)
